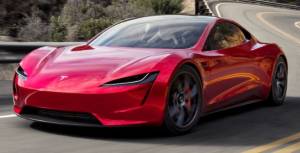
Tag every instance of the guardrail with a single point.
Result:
(201, 8)
(269, 3)
(13, 52)
(202, 11)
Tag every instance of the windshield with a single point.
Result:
(159, 33)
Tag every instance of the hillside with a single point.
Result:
(73, 20)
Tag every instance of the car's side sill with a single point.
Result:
(233, 106)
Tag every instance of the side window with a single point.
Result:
(225, 35)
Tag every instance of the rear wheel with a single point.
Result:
(184, 101)
(279, 83)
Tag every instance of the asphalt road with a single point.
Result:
(233, 131)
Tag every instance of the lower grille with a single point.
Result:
(59, 117)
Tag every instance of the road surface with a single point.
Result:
(246, 129)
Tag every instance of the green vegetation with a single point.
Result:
(91, 27)
(57, 29)
(161, 6)
(74, 20)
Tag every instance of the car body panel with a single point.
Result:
(70, 78)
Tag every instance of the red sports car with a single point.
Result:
(153, 71)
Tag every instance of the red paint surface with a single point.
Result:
(68, 80)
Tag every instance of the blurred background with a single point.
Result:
(72, 20)
(77, 20)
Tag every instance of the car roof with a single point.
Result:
(177, 18)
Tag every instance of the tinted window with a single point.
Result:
(225, 35)
(158, 33)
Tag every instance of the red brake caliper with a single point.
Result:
(188, 95)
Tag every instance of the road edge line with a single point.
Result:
(8, 116)
(260, 17)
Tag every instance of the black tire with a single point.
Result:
(279, 83)
(183, 105)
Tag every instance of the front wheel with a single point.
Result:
(184, 101)
(279, 83)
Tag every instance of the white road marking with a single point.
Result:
(276, 144)
(218, 9)
(297, 24)
(8, 116)
(206, 4)
(260, 17)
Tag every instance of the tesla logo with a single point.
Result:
(63, 77)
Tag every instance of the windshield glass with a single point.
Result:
(155, 33)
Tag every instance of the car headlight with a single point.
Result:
(21, 73)
(133, 80)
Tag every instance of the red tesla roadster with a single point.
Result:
(153, 71)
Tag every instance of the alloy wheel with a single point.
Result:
(280, 81)
(184, 100)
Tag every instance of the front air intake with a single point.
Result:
(59, 117)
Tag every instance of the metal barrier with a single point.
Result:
(13, 52)
(205, 8)
(201, 8)
(269, 3)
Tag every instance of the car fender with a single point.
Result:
(31, 61)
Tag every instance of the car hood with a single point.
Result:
(66, 68)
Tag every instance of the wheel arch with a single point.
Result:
(192, 65)
(285, 60)
(276, 60)
(186, 63)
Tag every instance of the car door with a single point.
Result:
(232, 78)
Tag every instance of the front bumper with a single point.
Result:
(111, 106)
(59, 117)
